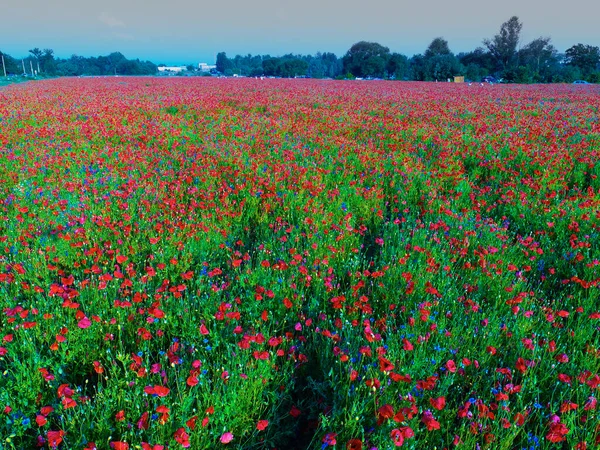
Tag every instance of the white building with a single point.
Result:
(206, 67)
(176, 69)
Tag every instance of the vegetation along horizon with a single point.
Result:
(289, 264)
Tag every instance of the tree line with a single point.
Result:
(502, 56)
(43, 62)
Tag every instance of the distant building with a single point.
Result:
(206, 67)
(175, 69)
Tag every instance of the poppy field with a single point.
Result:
(294, 264)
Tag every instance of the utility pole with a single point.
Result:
(3, 66)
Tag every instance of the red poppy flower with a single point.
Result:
(557, 433)
(295, 412)
(226, 437)
(329, 439)
(182, 437)
(354, 444)
(438, 403)
(142, 422)
(397, 437)
(385, 365)
(55, 438)
(157, 390)
(384, 413)
(430, 421)
(40, 420)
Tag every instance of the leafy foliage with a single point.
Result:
(585, 57)
(366, 59)
(503, 46)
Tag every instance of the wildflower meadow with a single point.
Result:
(298, 264)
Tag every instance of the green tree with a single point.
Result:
(68, 68)
(223, 62)
(103, 65)
(37, 54)
(417, 69)
(439, 63)
(521, 74)
(541, 59)
(366, 59)
(332, 65)
(290, 68)
(473, 72)
(438, 47)
(397, 66)
(479, 57)
(126, 67)
(585, 57)
(47, 61)
(270, 66)
(567, 74)
(503, 46)
(112, 62)
(477, 63)
(10, 64)
(442, 67)
(316, 68)
(136, 67)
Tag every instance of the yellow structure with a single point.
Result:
(459, 79)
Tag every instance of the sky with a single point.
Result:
(193, 31)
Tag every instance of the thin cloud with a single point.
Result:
(110, 21)
(125, 36)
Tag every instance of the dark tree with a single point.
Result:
(586, 57)
(477, 63)
(540, 58)
(69, 67)
(126, 67)
(47, 61)
(103, 65)
(438, 47)
(397, 66)
(366, 59)
(316, 68)
(417, 69)
(479, 57)
(290, 68)
(223, 63)
(11, 65)
(270, 66)
(323, 65)
(439, 63)
(332, 65)
(503, 46)
(108, 64)
(37, 54)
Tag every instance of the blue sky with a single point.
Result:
(188, 31)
